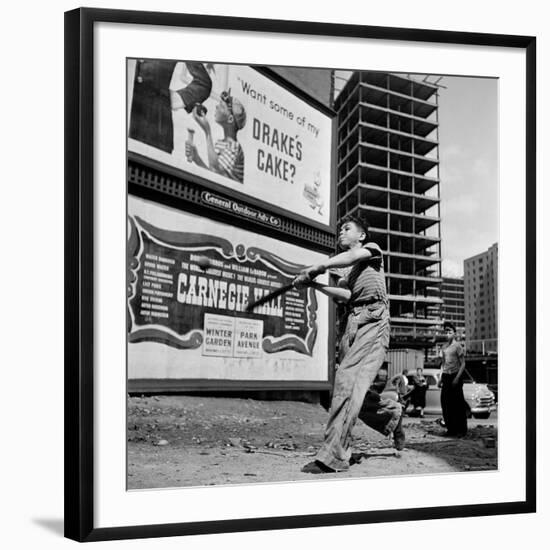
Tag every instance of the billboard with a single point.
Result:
(233, 126)
(189, 321)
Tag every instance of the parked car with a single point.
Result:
(479, 398)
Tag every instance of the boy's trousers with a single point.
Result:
(362, 351)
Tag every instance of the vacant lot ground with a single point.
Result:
(176, 441)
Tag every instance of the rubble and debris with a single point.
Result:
(274, 440)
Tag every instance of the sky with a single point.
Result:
(468, 155)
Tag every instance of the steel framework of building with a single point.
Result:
(388, 167)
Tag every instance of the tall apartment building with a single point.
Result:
(388, 167)
(452, 294)
(481, 300)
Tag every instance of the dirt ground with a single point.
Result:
(177, 441)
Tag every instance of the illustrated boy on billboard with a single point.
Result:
(225, 156)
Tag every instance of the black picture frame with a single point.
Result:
(79, 270)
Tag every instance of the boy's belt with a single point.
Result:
(355, 308)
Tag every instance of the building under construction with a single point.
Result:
(388, 168)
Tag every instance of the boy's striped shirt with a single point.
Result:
(230, 158)
(366, 279)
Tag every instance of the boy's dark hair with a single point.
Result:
(448, 324)
(360, 221)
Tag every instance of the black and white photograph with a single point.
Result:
(300, 275)
(312, 274)
(274, 275)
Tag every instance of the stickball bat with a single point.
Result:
(281, 290)
(269, 297)
(205, 263)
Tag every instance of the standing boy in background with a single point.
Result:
(452, 395)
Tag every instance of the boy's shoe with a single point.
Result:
(317, 467)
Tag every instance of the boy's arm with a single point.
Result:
(193, 155)
(211, 152)
(344, 259)
(337, 293)
(456, 379)
(441, 362)
(210, 149)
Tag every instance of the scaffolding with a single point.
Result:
(388, 168)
